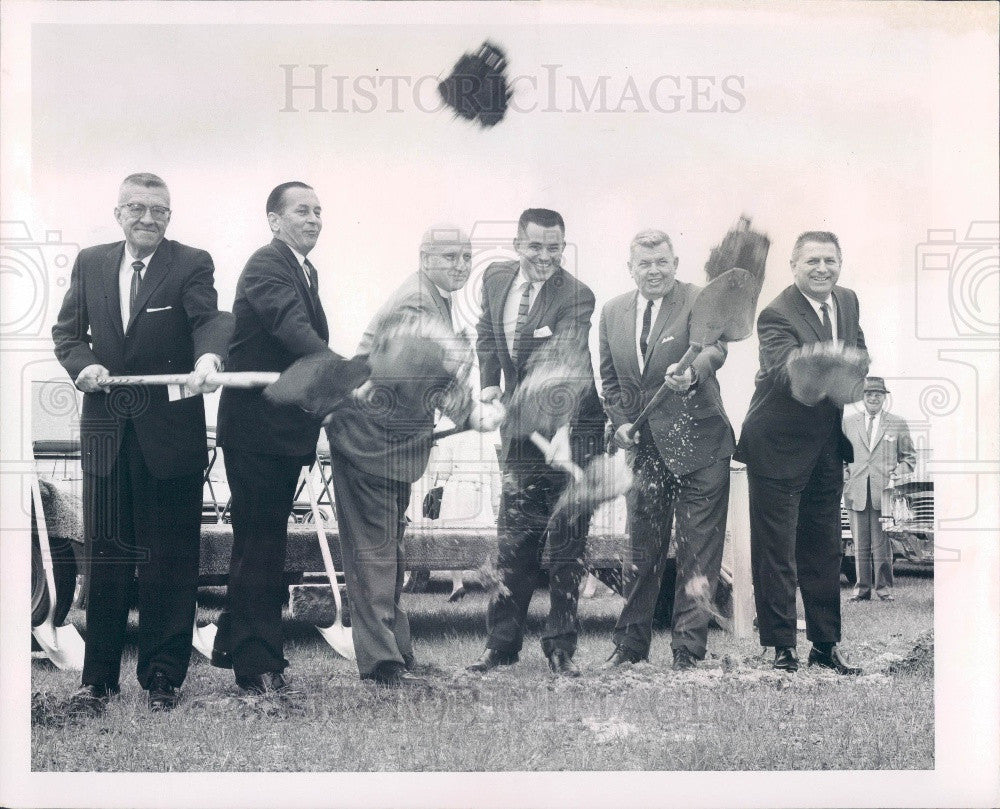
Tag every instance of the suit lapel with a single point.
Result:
(112, 293)
(430, 289)
(153, 276)
(841, 322)
(626, 337)
(499, 303)
(808, 314)
(883, 422)
(665, 315)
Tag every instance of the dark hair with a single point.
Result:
(821, 236)
(541, 216)
(275, 200)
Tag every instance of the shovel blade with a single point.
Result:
(203, 639)
(63, 645)
(339, 638)
(725, 308)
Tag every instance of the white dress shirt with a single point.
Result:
(875, 421)
(513, 304)
(640, 312)
(815, 304)
(302, 263)
(446, 294)
(125, 273)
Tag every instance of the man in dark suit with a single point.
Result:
(380, 443)
(795, 453)
(680, 457)
(279, 318)
(143, 306)
(529, 305)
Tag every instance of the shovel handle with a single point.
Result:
(324, 548)
(664, 390)
(567, 466)
(225, 379)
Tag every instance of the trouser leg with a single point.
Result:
(818, 548)
(774, 506)
(701, 506)
(650, 515)
(861, 532)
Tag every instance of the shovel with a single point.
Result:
(203, 638)
(338, 636)
(62, 644)
(724, 309)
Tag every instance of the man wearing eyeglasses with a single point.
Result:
(146, 305)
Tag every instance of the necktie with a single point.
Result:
(871, 430)
(447, 306)
(647, 321)
(827, 325)
(133, 292)
(313, 276)
(522, 313)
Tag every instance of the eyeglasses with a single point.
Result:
(138, 210)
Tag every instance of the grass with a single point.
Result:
(732, 713)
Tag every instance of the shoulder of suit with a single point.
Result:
(845, 293)
(184, 252)
(687, 290)
(566, 280)
(500, 268)
(622, 301)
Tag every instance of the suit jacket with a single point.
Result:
(175, 321)
(395, 442)
(279, 318)
(564, 307)
(891, 452)
(781, 437)
(690, 431)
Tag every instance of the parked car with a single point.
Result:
(908, 520)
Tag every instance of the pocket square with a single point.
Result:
(667, 339)
(158, 308)
(544, 331)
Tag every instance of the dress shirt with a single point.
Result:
(815, 304)
(125, 273)
(640, 312)
(302, 263)
(514, 302)
(877, 420)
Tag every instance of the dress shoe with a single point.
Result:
(620, 656)
(684, 660)
(831, 660)
(492, 658)
(273, 682)
(221, 659)
(162, 695)
(561, 663)
(785, 659)
(860, 598)
(90, 700)
(889, 597)
(390, 674)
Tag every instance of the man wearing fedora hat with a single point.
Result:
(883, 452)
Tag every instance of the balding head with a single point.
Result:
(446, 256)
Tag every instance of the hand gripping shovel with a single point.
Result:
(62, 644)
(338, 636)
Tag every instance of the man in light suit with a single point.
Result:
(279, 318)
(883, 452)
(795, 452)
(529, 305)
(680, 457)
(146, 305)
(381, 444)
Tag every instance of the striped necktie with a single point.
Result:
(522, 315)
(827, 325)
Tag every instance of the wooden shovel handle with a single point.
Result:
(225, 379)
(664, 391)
